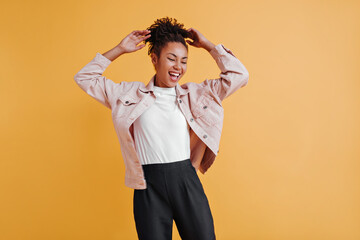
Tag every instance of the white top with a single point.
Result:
(161, 133)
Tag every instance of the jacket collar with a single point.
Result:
(150, 87)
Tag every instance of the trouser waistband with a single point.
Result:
(170, 165)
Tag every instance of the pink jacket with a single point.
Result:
(201, 104)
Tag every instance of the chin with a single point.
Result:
(172, 82)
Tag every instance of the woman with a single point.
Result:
(167, 131)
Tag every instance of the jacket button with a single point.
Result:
(205, 136)
(204, 107)
(180, 101)
(191, 119)
(126, 102)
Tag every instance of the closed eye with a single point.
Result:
(174, 60)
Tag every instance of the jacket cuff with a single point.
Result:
(224, 58)
(220, 50)
(105, 62)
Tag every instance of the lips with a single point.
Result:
(174, 76)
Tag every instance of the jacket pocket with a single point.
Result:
(128, 99)
(124, 106)
(208, 110)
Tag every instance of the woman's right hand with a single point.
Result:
(130, 42)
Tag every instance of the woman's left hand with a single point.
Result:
(199, 40)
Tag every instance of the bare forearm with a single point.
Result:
(114, 53)
(208, 46)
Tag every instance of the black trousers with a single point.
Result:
(174, 192)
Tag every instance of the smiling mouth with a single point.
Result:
(174, 77)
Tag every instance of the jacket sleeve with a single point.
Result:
(90, 79)
(233, 74)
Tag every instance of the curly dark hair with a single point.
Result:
(165, 30)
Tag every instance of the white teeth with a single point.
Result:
(174, 77)
(175, 74)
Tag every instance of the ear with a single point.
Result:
(154, 58)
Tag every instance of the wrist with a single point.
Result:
(209, 46)
(119, 50)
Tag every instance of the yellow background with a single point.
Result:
(288, 166)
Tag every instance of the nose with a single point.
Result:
(177, 66)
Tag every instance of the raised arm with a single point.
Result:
(233, 74)
(90, 78)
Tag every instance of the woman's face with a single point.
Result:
(171, 65)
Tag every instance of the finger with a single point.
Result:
(142, 38)
(192, 33)
(144, 32)
(146, 37)
(192, 30)
(138, 32)
(148, 32)
(189, 42)
(140, 47)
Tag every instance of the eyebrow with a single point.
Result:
(176, 56)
